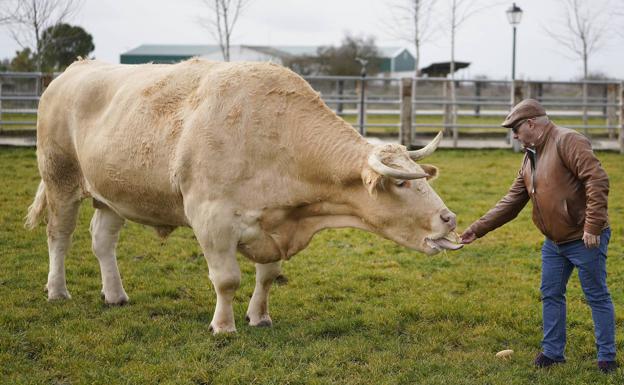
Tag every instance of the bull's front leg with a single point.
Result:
(258, 311)
(216, 230)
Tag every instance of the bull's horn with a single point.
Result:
(427, 150)
(375, 163)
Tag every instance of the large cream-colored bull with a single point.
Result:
(246, 154)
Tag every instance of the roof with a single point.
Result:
(172, 50)
(443, 68)
(199, 50)
(298, 50)
(272, 51)
(391, 51)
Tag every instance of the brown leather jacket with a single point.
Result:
(568, 189)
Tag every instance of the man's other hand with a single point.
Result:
(468, 236)
(591, 240)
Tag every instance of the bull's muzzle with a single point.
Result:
(449, 218)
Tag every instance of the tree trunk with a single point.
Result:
(417, 37)
(585, 78)
(452, 69)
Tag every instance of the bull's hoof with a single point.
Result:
(122, 302)
(221, 329)
(264, 324)
(261, 322)
(56, 294)
(118, 300)
(281, 280)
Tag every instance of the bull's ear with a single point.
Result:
(431, 170)
(372, 180)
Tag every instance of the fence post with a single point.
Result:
(612, 98)
(530, 90)
(478, 98)
(605, 99)
(454, 112)
(340, 92)
(1, 125)
(516, 97)
(621, 133)
(38, 83)
(406, 111)
(362, 110)
(534, 90)
(447, 107)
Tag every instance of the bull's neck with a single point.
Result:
(331, 151)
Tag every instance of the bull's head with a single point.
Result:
(402, 206)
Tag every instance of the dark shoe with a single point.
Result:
(607, 366)
(541, 361)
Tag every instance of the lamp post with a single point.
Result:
(362, 109)
(514, 15)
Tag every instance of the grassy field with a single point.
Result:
(356, 309)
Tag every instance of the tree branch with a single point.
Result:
(220, 23)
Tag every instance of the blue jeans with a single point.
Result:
(558, 261)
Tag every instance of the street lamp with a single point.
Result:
(514, 15)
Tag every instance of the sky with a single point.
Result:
(484, 39)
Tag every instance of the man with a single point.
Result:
(568, 189)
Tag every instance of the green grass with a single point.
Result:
(356, 310)
(27, 126)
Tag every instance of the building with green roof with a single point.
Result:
(394, 60)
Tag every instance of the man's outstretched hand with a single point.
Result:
(468, 236)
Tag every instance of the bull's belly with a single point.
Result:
(140, 203)
(130, 178)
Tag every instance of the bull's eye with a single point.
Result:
(403, 183)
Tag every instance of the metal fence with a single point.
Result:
(375, 106)
(408, 109)
(19, 97)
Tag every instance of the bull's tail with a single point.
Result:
(37, 209)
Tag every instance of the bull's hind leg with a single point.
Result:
(258, 311)
(62, 214)
(105, 228)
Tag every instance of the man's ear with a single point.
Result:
(372, 180)
(431, 170)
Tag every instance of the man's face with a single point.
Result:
(525, 132)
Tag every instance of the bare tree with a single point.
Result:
(458, 12)
(4, 4)
(413, 23)
(620, 19)
(221, 22)
(27, 19)
(582, 29)
(619, 14)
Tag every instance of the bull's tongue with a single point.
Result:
(443, 243)
(446, 244)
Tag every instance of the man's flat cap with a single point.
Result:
(528, 108)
